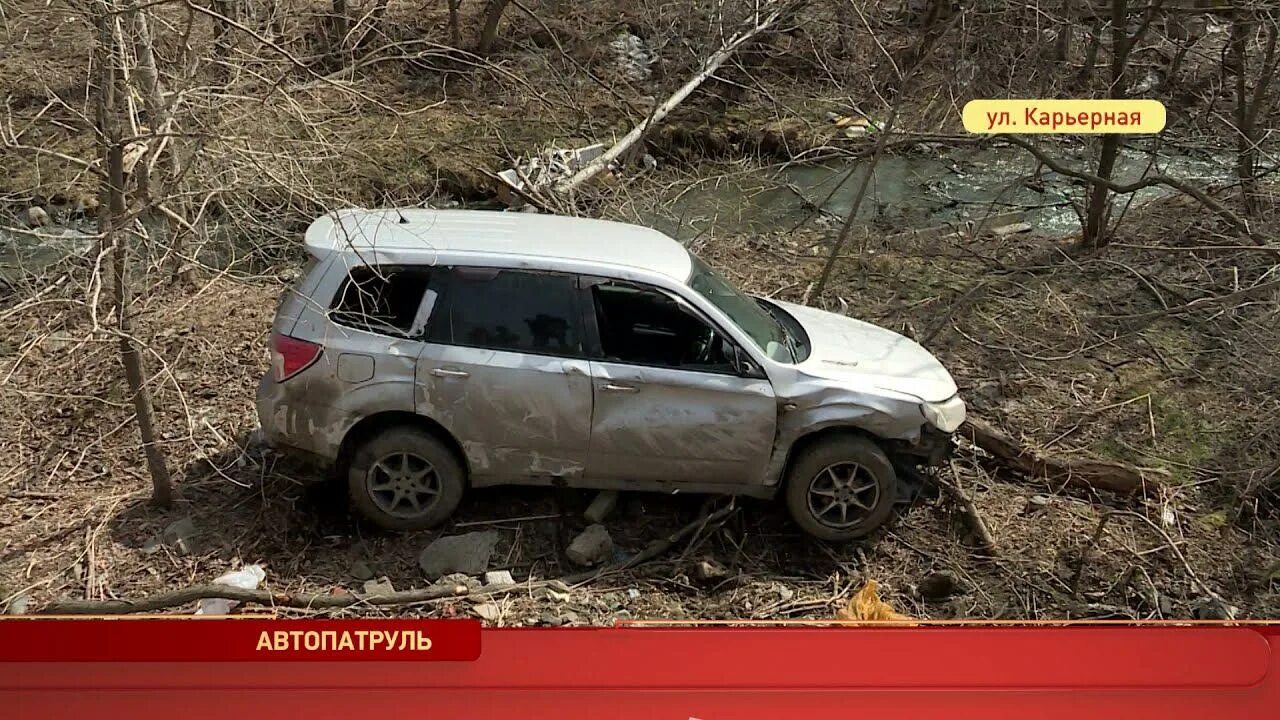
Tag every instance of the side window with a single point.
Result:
(383, 299)
(646, 327)
(515, 310)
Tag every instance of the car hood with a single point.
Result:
(845, 349)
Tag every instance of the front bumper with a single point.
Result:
(933, 448)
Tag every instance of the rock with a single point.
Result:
(633, 593)
(461, 580)
(487, 611)
(708, 570)
(1014, 229)
(591, 547)
(37, 217)
(937, 586)
(601, 506)
(467, 553)
(381, 586)
(1210, 609)
(19, 605)
(499, 577)
(360, 570)
(178, 536)
(1036, 504)
(785, 593)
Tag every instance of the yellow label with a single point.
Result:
(1064, 117)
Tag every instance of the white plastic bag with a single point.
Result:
(247, 577)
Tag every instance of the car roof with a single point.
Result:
(450, 235)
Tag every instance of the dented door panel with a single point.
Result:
(671, 426)
(519, 417)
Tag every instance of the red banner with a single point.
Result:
(1132, 673)
(221, 639)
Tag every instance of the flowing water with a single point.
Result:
(917, 190)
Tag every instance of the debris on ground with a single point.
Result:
(179, 536)
(852, 126)
(708, 570)
(487, 611)
(601, 506)
(866, 606)
(381, 586)
(468, 553)
(246, 578)
(531, 176)
(37, 217)
(591, 547)
(499, 577)
(632, 57)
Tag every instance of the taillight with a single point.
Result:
(290, 356)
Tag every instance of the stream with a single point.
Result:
(916, 190)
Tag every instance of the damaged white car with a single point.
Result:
(426, 352)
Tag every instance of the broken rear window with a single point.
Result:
(383, 300)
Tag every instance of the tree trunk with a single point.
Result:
(341, 26)
(1062, 47)
(111, 95)
(1090, 56)
(1242, 29)
(455, 33)
(489, 33)
(1098, 211)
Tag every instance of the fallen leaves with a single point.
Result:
(866, 606)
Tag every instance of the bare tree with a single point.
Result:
(1249, 106)
(1098, 208)
(112, 103)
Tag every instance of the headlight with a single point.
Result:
(946, 415)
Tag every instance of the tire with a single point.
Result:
(405, 478)
(849, 470)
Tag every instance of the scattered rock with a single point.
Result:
(381, 586)
(467, 554)
(592, 546)
(487, 611)
(178, 536)
(37, 217)
(785, 593)
(19, 605)
(1013, 229)
(360, 570)
(937, 586)
(601, 506)
(499, 577)
(1210, 609)
(633, 593)
(458, 580)
(708, 570)
(1036, 503)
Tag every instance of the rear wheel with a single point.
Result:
(841, 488)
(404, 478)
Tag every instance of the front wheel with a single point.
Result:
(404, 478)
(841, 488)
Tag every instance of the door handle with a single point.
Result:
(441, 372)
(614, 387)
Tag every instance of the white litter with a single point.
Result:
(246, 578)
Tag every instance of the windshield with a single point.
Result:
(763, 328)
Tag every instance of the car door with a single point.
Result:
(664, 412)
(504, 371)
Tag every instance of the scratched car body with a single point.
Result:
(426, 352)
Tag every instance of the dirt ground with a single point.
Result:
(1075, 357)
(1158, 352)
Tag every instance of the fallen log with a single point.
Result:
(763, 22)
(1075, 472)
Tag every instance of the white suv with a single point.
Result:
(425, 352)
